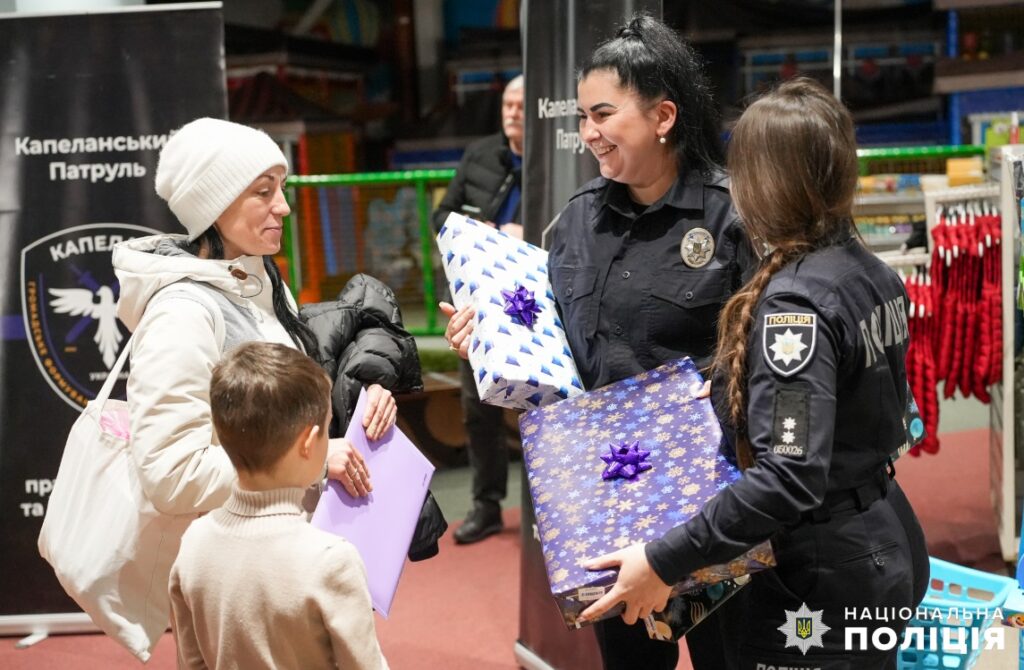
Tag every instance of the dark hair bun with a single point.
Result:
(654, 62)
(635, 28)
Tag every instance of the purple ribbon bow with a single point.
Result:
(519, 304)
(625, 460)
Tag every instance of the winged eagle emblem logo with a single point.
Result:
(101, 307)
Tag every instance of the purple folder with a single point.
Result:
(380, 525)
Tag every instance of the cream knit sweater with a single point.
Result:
(255, 586)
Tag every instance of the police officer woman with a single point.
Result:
(644, 257)
(810, 380)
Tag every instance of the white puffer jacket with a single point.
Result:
(182, 468)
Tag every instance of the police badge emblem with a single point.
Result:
(804, 627)
(697, 248)
(788, 341)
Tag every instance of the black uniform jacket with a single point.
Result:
(481, 183)
(628, 300)
(827, 393)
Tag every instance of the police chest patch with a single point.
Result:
(697, 248)
(788, 341)
(791, 422)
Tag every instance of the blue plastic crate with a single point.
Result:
(954, 587)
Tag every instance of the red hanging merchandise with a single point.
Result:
(952, 313)
(990, 338)
(967, 336)
(954, 316)
(995, 297)
(920, 359)
(914, 364)
(969, 302)
(942, 258)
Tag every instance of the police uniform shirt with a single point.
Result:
(827, 391)
(630, 297)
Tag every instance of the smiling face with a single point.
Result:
(622, 130)
(252, 225)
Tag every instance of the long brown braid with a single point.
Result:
(734, 325)
(793, 165)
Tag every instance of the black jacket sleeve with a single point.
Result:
(791, 419)
(481, 183)
(455, 195)
(361, 341)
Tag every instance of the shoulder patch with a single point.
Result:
(788, 341)
(791, 422)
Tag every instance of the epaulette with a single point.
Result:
(595, 184)
(717, 179)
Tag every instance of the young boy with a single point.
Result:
(254, 585)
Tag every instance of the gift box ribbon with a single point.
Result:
(520, 305)
(625, 460)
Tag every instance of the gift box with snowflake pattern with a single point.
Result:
(519, 352)
(687, 610)
(660, 445)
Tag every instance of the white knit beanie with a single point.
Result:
(208, 163)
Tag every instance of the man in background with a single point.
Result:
(486, 188)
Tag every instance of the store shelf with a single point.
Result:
(881, 134)
(918, 153)
(973, 4)
(954, 75)
(890, 201)
(884, 244)
(899, 110)
(876, 240)
(858, 5)
(902, 259)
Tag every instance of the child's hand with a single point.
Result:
(459, 329)
(381, 411)
(346, 465)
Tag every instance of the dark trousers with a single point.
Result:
(859, 559)
(629, 647)
(874, 559)
(487, 445)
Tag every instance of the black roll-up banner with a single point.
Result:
(86, 103)
(558, 35)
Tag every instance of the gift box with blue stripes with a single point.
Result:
(519, 352)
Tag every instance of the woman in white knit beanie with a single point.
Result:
(188, 298)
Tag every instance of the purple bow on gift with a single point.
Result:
(625, 460)
(520, 305)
